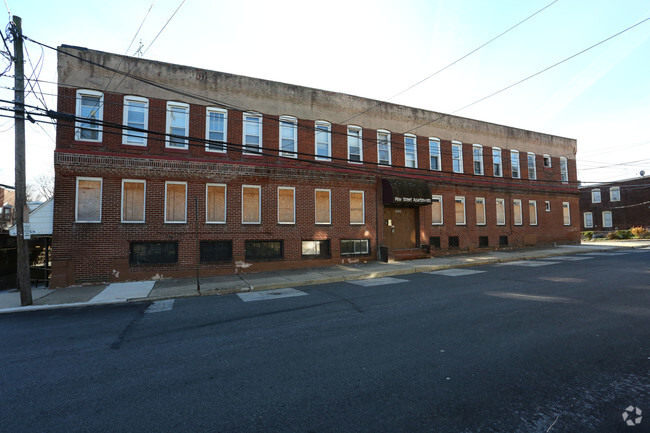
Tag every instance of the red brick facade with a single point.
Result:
(629, 208)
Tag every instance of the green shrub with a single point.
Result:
(588, 235)
(639, 232)
(624, 234)
(612, 235)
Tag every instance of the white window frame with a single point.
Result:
(496, 155)
(323, 124)
(168, 128)
(384, 133)
(407, 152)
(224, 146)
(589, 222)
(435, 140)
(363, 207)
(259, 204)
(173, 182)
(288, 123)
(547, 206)
(329, 196)
(360, 138)
(605, 215)
(532, 204)
(76, 202)
(532, 170)
(460, 199)
(566, 213)
(245, 146)
(502, 202)
(546, 157)
(476, 203)
(442, 213)
(514, 157)
(517, 215)
(293, 189)
(144, 201)
(225, 205)
(459, 160)
(617, 196)
(564, 170)
(100, 118)
(128, 134)
(477, 157)
(596, 197)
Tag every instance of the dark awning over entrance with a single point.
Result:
(405, 192)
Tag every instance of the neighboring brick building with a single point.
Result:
(298, 186)
(7, 205)
(618, 205)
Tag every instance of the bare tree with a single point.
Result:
(41, 187)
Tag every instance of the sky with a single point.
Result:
(378, 49)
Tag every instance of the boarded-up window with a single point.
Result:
(133, 193)
(459, 207)
(436, 209)
(323, 214)
(215, 199)
(89, 200)
(516, 211)
(286, 205)
(501, 212)
(566, 213)
(250, 204)
(175, 202)
(480, 211)
(532, 212)
(356, 207)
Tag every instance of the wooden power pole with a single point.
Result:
(22, 262)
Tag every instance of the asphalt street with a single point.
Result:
(554, 345)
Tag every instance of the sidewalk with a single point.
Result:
(116, 293)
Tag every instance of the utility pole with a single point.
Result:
(22, 261)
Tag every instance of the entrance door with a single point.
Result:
(401, 232)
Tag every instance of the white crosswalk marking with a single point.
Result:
(529, 263)
(160, 306)
(572, 258)
(265, 295)
(455, 272)
(377, 281)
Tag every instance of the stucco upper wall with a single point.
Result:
(270, 97)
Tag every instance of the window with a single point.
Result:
(477, 152)
(216, 251)
(263, 250)
(286, 205)
(615, 193)
(251, 204)
(175, 202)
(178, 125)
(595, 195)
(410, 151)
(354, 246)
(252, 133)
(514, 164)
(547, 206)
(90, 108)
(459, 207)
(589, 219)
(497, 165)
(357, 211)
(316, 249)
(323, 141)
(215, 203)
(88, 207)
(454, 242)
(516, 212)
(566, 213)
(434, 241)
(564, 170)
(607, 219)
(135, 116)
(323, 206)
(547, 161)
(146, 253)
(436, 210)
(216, 129)
(288, 136)
(501, 212)
(457, 156)
(503, 241)
(355, 151)
(532, 166)
(532, 212)
(483, 242)
(133, 199)
(434, 154)
(480, 211)
(383, 147)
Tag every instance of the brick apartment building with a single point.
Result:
(173, 165)
(618, 205)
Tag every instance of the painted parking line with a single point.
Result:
(266, 295)
(530, 263)
(377, 281)
(160, 306)
(455, 272)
